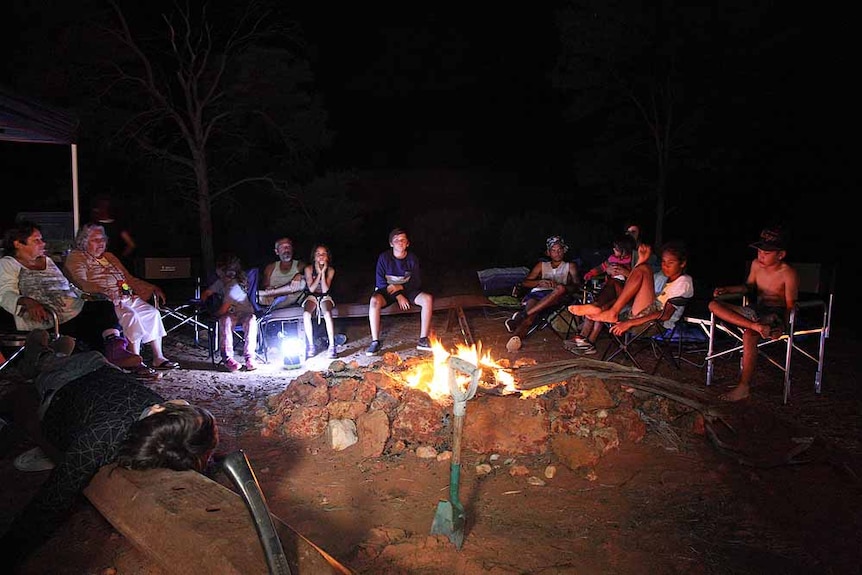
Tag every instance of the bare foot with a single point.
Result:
(738, 393)
(607, 316)
(584, 309)
(764, 330)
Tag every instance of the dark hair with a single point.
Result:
(229, 261)
(625, 243)
(397, 231)
(22, 230)
(644, 238)
(180, 438)
(676, 248)
(314, 251)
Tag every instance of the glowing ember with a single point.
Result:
(433, 378)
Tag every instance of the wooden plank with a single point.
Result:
(189, 524)
(353, 310)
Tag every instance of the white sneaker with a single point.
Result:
(33, 460)
(514, 343)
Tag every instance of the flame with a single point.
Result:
(433, 377)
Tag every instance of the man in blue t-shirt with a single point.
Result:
(398, 279)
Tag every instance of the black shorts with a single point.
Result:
(392, 298)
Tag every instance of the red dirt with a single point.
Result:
(670, 504)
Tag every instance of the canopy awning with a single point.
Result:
(27, 120)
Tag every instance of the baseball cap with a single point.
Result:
(771, 240)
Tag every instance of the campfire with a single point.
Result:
(432, 377)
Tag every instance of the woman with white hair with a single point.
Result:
(94, 269)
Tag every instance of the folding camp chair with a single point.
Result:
(12, 340)
(498, 285)
(811, 316)
(212, 325)
(175, 316)
(641, 337)
(291, 330)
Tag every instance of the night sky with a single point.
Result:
(470, 89)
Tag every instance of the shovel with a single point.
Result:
(238, 469)
(450, 517)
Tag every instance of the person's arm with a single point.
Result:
(9, 294)
(130, 243)
(598, 270)
(534, 278)
(77, 271)
(310, 283)
(140, 288)
(747, 287)
(265, 278)
(298, 284)
(323, 280)
(791, 293)
(380, 270)
(12, 300)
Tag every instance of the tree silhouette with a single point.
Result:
(223, 103)
(627, 70)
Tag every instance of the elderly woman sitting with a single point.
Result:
(95, 270)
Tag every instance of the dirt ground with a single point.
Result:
(671, 503)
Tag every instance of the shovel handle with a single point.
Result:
(237, 468)
(458, 427)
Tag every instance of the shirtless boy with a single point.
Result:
(776, 284)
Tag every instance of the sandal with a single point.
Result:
(143, 371)
(167, 364)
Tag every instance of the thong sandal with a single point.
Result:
(167, 364)
(145, 372)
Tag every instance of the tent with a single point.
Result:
(27, 120)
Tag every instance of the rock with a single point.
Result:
(426, 452)
(341, 433)
(373, 431)
(306, 422)
(418, 419)
(575, 452)
(489, 426)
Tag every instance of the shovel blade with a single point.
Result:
(449, 521)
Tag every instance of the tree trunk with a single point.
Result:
(205, 220)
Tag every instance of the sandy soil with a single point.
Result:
(672, 503)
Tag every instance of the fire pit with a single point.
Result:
(398, 406)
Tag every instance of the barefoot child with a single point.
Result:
(776, 285)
